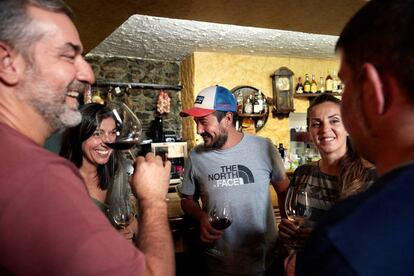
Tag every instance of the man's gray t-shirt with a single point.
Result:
(239, 175)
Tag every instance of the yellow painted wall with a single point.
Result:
(230, 71)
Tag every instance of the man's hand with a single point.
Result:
(151, 178)
(207, 232)
(290, 264)
(150, 184)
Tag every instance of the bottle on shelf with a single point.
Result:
(260, 100)
(307, 84)
(158, 129)
(328, 83)
(248, 106)
(321, 87)
(314, 85)
(265, 106)
(259, 123)
(239, 100)
(299, 86)
(334, 82)
(256, 104)
(340, 86)
(281, 150)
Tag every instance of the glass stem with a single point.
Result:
(132, 154)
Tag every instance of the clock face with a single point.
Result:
(283, 83)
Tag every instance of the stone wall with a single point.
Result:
(142, 101)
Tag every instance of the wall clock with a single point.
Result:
(282, 91)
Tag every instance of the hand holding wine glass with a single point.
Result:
(220, 218)
(298, 211)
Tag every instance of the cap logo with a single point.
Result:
(199, 100)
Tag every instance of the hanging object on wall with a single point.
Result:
(282, 91)
(128, 99)
(96, 97)
(87, 96)
(163, 103)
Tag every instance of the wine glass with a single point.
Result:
(120, 210)
(128, 127)
(120, 213)
(297, 205)
(298, 210)
(220, 216)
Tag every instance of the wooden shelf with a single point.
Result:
(313, 95)
(252, 115)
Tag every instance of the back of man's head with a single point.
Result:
(381, 34)
(16, 30)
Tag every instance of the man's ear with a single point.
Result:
(8, 71)
(229, 118)
(373, 93)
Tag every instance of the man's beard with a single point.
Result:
(48, 103)
(218, 143)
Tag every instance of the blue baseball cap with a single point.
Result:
(210, 99)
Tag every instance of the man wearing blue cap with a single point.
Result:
(234, 169)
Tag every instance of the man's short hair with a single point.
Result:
(16, 30)
(381, 34)
(221, 114)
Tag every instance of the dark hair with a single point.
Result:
(72, 139)
(322, 98)
(381, 34)
(352, 168)
(221, 114)
(17, 30)
(352, 172)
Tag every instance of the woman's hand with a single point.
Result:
(127, 233)
(130, 232)
(292, 234)
(287, 233)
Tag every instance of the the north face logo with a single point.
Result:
(232, 175)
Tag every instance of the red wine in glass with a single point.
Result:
(220, 216)
(122, 144)
(128, 126)
(220, 223)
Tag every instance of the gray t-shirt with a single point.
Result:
(240, 176)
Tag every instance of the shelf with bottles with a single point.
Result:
(252, 109)
(313, 95)
(311, 88)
